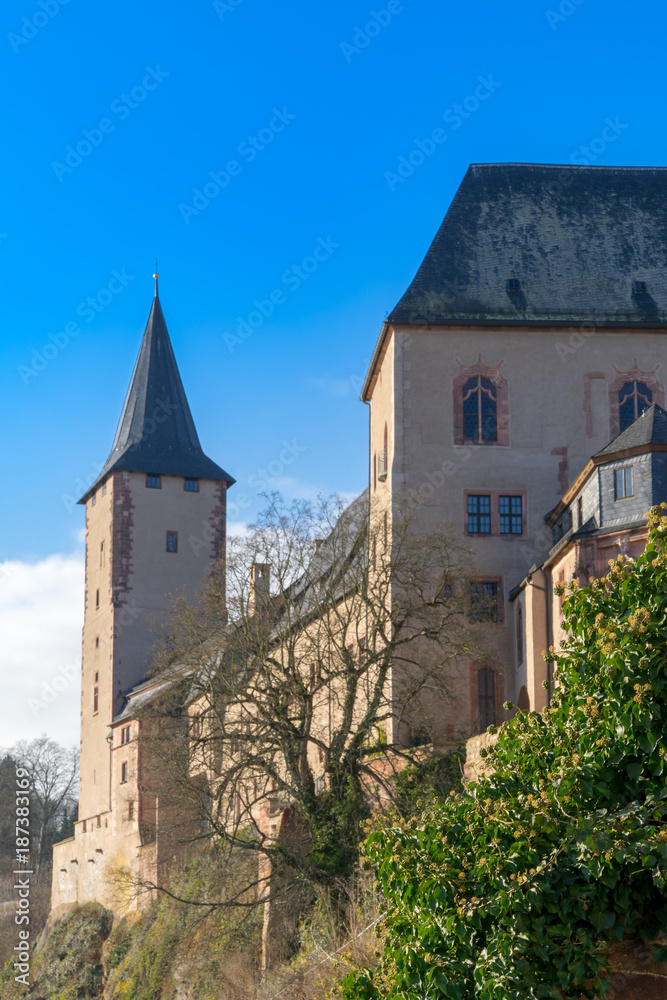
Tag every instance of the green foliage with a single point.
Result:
(429, 781)
(517, 886)
(70, 965)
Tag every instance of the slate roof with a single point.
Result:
(574, 239)
(156, 432)
(649, 428)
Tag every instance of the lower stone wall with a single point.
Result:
(475, 766)
(635, 975)
(83, 868)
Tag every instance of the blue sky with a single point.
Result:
(334, 94)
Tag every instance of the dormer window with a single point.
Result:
(191, 485)
(623, 485)
(513, 285)
(153, 481)
(639, 287)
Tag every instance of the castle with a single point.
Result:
(516, 388)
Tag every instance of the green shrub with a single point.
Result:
(516, 887)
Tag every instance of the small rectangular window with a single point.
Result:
(511, 515)
(93, 500)
(623, 483)
(123, 773)
(580, 512)
(96, 701)
(102, 556)
(130, 810)
(104, 490)
(97, 598)
(172, 541)
(479, 515)
(153, 482)
(97, 642)
(191, 485)
(484, 601)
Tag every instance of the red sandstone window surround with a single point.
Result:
(495, 512)
(481, 406)
(629, 395)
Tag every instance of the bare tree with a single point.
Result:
(54, 773)
(324, 659)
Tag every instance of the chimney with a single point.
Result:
(260, 587)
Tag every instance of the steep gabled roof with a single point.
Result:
(537, 243)
(156, 432)
(649, 428)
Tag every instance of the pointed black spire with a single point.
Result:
(156, 432)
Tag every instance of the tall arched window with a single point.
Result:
(480, 410)
(633, 399)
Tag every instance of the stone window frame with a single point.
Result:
(499, 681)
(495, 496)
(492, 373)
(499, 621)
(636, 374)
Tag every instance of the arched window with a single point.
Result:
(633, 399)
(480, 410)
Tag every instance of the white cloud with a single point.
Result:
(41, 615)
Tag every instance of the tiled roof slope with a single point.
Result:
(156, 432)
(649, 428)
(574, 238)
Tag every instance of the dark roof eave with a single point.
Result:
(543, 321)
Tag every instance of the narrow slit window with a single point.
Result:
(123, 773)
(172, 541)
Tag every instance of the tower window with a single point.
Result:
(623, 486)
(130, 810)
(172, 541)
(191, 485)
(97, 598)
(153, 482)
(102, 556)
(123, 773)
(480, 410)
(104, 490)
(479, 515)
(511, 515)
(96, 701)
(633, 399)
(97, 642)
(126, 734)
(94, 500)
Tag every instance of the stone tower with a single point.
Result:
(155, 526)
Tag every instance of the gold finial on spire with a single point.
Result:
(156, 276)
